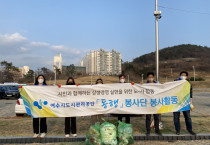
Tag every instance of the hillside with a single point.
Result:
(172, 61)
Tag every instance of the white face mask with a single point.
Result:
(150, 79)
(183, 77)
(122, 80)
(41, 81)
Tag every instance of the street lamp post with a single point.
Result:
(142, 78)
(34, 77)
(194, 71)
(157, 15)
(55, 67)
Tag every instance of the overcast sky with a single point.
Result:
(32, 32)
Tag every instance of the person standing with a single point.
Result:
(120, 116)
(70, 122)
(188, 121)
(40, 124)
(150, 79)
(97, 118)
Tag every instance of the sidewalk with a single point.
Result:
(56, 139)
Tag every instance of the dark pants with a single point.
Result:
(148, 121)
(188, 120)
(127, 117)
(69, 127)
(43, 125)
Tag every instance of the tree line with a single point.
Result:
(11, 73)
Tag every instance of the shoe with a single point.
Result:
(67, 135)
(42, 135)
(74, 135)
(177, 133)
(192, 133)
(36, 135)
(148, 133)
(158, 133)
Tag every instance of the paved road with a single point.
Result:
(7, 108)
(201, 102)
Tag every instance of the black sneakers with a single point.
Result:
(192, 133)
(148, 133)
(177, 132)
(158, 133)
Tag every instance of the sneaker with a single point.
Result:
(177, 133)
(67, 135)
(36, 135)
(192, 133)
(74, 135)
(43, 135)
(158, 133)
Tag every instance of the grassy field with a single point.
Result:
(114, 79)
(23, 126)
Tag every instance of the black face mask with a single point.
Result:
(70, 83)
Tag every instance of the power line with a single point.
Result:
(187, 11)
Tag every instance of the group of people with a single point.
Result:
(40, 124)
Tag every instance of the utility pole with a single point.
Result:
(157, 15)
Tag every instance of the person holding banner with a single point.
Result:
(150, 79)
(188, 121)
(72, 127)
(120, 116)
(40, 122)
(97, 118)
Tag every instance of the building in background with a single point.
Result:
(102, 62)
(57, 63)
(22, 71)
(25, 70)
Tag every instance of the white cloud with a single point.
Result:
(21, 51)
(16, 37)
(39, 44)
(58, 47)
(24, 48)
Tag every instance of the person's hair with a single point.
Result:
(183, 72)
(99, 80)
(121, 76)
(71, 79)
(150, 73)
(36, 81)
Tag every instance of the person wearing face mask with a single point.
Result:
(120, 116)
(188, 121)
(40, 123)
(97, 118)
(151, 79)
(70, 127)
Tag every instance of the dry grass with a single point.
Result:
(114, 79)
(87, 80)
(23, 126)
